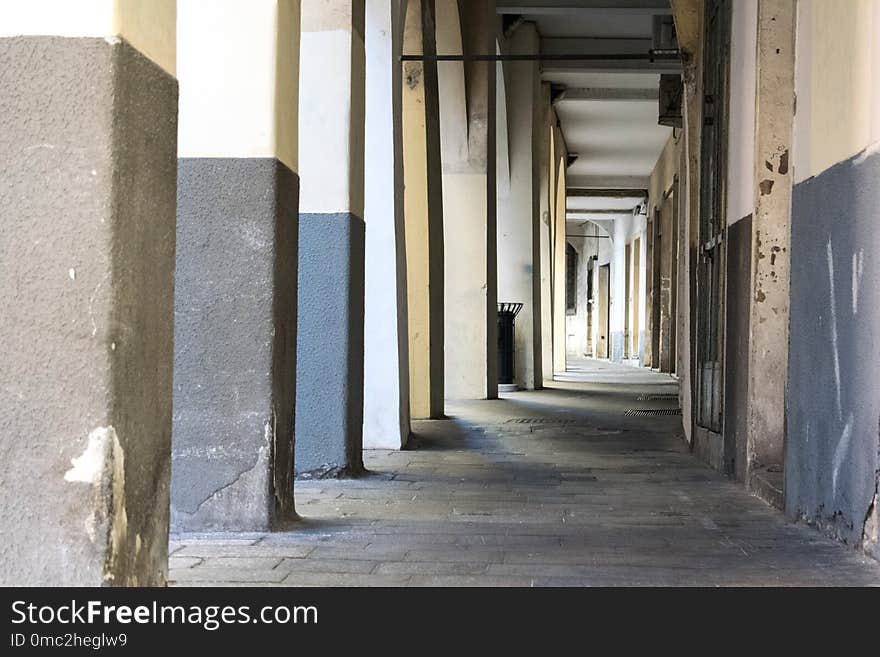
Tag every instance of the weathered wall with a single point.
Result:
(660, 183)
(688, 24)
(832, 458)
(88, 159)
(832, 452)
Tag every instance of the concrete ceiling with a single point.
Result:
(609, 112)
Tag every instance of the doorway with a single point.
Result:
(627, 299)
(636, 306)
(604, 308)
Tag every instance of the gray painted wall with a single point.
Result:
(330, 365)
(831, 463)
(234, 344)
(88, 156)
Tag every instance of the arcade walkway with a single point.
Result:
(551, 488)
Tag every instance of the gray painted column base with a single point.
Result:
(234, 344)
(617, 339)
(88, 143)
(330, 344)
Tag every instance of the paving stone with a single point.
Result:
(206, 548)
(430, 568)
(337, 566)
(225, 574)
(344, 579)
(469, 581)
(175, 563)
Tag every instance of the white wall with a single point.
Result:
(838, 115)
(331, 106)
(236, 93)
(741, 127)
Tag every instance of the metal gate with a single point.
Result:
(710, 265)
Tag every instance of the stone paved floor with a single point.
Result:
(547, 488)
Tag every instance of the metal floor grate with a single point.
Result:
(650, 412)
(537, 420)
(658, 397)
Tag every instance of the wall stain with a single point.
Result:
(783, 163)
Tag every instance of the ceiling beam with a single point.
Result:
(581, 181)
(581, 211)
(611, 66)
(599, 93)
(596, 45)
(606, 53)
(584, 7)
(608, 193)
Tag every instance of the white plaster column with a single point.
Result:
(386, 349)
(558, 191)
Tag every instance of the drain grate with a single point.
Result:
(651, 412)
(537, 420)
(658, 397)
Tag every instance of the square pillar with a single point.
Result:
(330, 340)
(235, 303)
(519, 254)
(88, 152)
(386, 353)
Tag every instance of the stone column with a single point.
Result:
(546, 242)
(423, 211)
(386, 352)
(330, 340)
(558, 192)
(88, 133)
(771, 236)
(235, 302)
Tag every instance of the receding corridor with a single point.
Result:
(550, 488)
